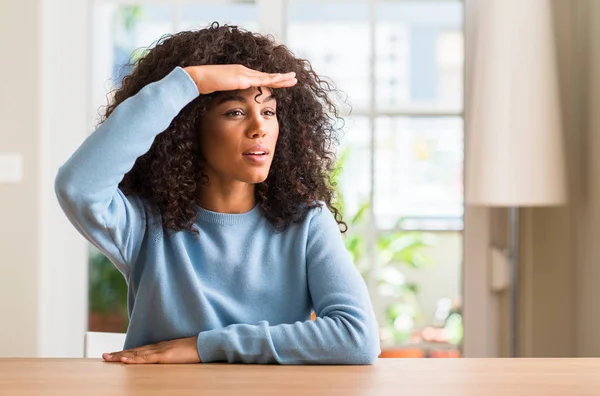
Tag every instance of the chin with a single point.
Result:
(258, 180)
(255, 178)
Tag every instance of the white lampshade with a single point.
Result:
(514, 150)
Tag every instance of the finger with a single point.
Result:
(282, 76)
(285, 79)
(283, 84)
(116, 356)
(257, 81)
(255, 73)
(261, 82)
(264, 79)
(291, 81)
(109, 357)
(268, 76)
(143, 357)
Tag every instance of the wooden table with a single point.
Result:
(419, 377)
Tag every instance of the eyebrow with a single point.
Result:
(238, 98)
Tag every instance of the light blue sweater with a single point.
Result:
(245, 290)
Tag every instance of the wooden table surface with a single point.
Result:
(419, 377)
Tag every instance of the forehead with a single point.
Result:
(252, 93)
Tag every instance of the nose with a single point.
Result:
(256, 128)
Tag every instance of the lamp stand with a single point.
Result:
(513, 247)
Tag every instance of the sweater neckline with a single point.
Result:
(228, 218)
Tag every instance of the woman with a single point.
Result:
(207, 186)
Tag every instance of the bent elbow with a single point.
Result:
(365, 348)
(368, 351)
(62, 186)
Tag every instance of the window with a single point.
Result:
(418, 163)
(400, 63)
(122, 30)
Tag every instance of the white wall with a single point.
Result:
(480, 305)
(587, 266)
(63, 281)
(548, 238)
(20, 112)
(561, 253)
(43, 271)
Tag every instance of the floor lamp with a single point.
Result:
(514, 149)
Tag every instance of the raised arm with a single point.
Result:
(87, 184)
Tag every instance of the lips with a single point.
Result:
(257, 155)
(256, 150)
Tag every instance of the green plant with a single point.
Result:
(394, 250)
(129, 16)
(108, 289)
(397, 250)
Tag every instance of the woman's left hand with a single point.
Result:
(183, 350)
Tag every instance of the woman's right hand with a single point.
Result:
(211, 78)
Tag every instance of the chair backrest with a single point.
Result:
(97, 343)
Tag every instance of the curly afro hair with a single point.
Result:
(169, 175)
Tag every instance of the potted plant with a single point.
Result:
(107, 295)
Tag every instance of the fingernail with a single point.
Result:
(123, 358)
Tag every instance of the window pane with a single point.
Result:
(136, 28)
(198, 16)
(419, 55)
(354, 158)
(419, 171)
(334, 37)
(120, 34)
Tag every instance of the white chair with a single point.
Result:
(97, 343)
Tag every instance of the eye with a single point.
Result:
(234, 113)
(269, 112)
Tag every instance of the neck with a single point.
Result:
(233, 197)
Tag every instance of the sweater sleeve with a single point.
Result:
(345, 331)
(87, 184)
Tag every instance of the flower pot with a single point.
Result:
(110, 323)
(402, 353)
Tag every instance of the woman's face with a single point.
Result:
(238, 136)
